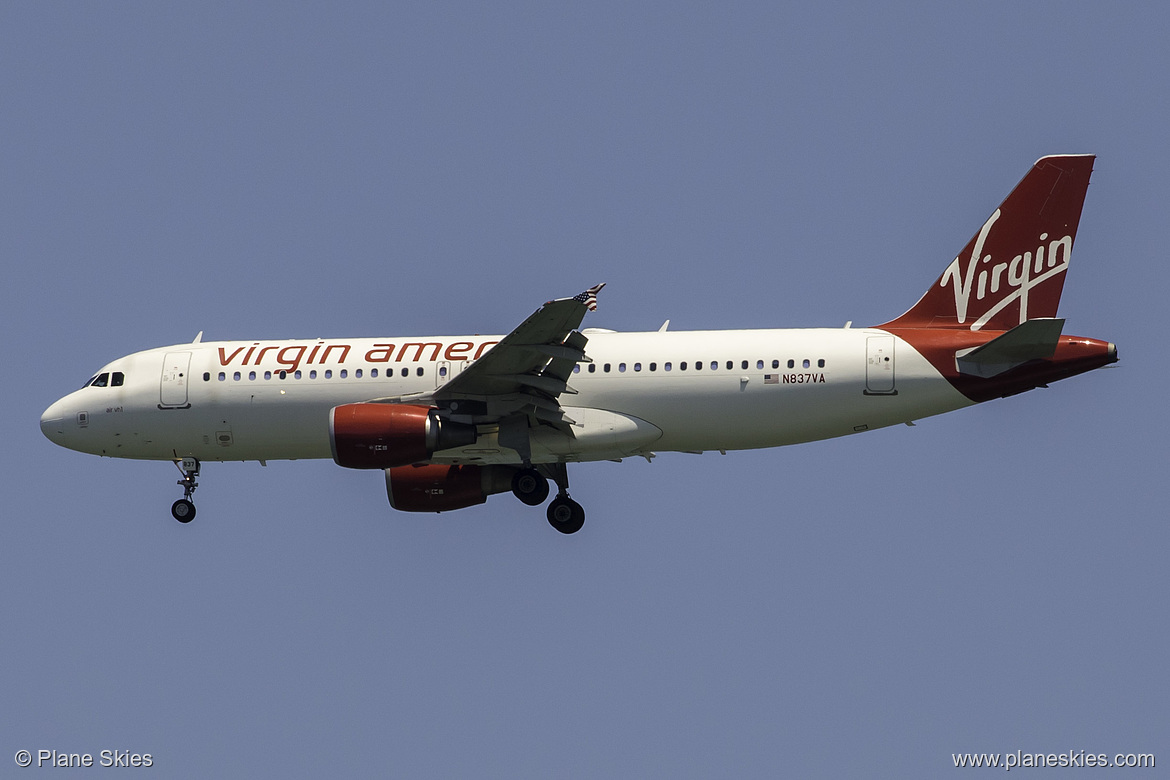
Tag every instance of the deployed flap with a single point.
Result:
(519, 362)
(528, 370)
(1032, 340)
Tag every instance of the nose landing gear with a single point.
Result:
(183, 510)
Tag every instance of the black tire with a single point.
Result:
(566, 515)
(183, 510)
(530, 487)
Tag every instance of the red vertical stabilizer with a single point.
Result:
(1013, 268)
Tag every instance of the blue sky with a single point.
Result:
(988, 581)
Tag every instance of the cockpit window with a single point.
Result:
(106, 379)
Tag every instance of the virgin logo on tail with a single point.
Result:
(1018, 258)
(1021, 274)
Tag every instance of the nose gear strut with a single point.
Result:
(183, 510)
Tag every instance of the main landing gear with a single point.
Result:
(565, 514)
(531, 487)
(183, 510)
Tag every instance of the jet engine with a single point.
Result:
(380, 436)
(439, 488)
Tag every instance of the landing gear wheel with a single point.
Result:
(530, 486)
(183, 510)
(566, 515)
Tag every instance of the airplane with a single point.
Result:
(451, 420)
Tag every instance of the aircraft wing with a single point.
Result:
(527, 371)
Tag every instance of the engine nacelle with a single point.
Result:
(380, 436)
(439, 488)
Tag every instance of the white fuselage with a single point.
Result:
(643, 392)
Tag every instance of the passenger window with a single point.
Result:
(715, 365)
(442, 371)
(621, 368)
(252, 375)
(653, 366)
(374, 372)
(206, 376)
(681, 366)
(344, 373)
(742, 365)
(792, 364)
(282, 374)
(297, 374)
(406, 372)
(329, 373)
(577, 369)
(821, 363)
(419, 371)
(222, 376)
(313, 374)
(236, 376)
(776, 364)
(637, 366)
(358, 373)
(666, 366)
(605, 368)
(698, 365)
(592, 368)
(805, 364)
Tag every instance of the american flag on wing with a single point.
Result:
(771, 379)
(589, 297)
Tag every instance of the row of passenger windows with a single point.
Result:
(116, 379)
(697, 366)
(298, 374)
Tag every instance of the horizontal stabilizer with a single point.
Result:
(1032, 340)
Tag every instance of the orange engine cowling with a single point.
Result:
(439, 488)
(380, 436)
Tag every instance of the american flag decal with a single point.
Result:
(589, 297)
(771, 379)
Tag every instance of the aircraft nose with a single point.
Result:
(53, 422)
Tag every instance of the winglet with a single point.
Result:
(589, 297)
